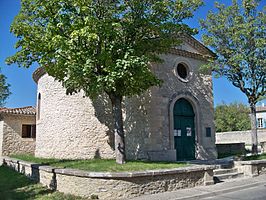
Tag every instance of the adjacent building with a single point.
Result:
(17, 131)
(261, 116)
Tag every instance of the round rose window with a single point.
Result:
(182, 71)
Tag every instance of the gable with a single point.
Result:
(186, 47)
(190, 47)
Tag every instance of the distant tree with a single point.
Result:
(237, 34)
(100, 46)
(232, 117)
(4, 90)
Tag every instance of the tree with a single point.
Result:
(100, 45)
(237, 34)
(232, 117)
(4, 90)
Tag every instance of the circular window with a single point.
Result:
(182, 71)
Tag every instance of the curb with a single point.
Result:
(219, 192)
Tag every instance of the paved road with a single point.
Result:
(234, 189)
(253, 193)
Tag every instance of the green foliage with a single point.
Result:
(237, 34)
(4, 90)
(99, 46)
(17, 186)
(256, 157)
(232, 117)
(101, 165)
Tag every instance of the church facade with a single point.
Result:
(168, 123)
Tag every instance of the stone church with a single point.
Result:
(167, 123)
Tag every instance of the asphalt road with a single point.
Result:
(253, 193)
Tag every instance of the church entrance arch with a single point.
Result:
(184, 130)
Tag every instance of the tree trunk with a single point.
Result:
(118, 128)
(254, 136)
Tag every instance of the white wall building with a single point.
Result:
(261, 116)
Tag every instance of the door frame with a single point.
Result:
(197, 120)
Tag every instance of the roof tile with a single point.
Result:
(29, 110)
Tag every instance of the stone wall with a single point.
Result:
(251, 168)
(12, 142)
(109, 185)
(239, 137)
(197, 90)
(71, 126)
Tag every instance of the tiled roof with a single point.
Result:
(29, 110)
(198, 45)
(261, 108)
(38, 73)
(188, 54)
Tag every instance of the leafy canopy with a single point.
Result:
(4, 90)
(99, 45)
(232, 117)
(237, 33)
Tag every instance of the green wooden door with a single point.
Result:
(184, 130)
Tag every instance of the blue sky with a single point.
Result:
(23, 87)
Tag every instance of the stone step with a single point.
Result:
(221, 177)
(224, 171)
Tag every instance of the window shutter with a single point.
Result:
(264, 123)
(24, 131)
(33, 131)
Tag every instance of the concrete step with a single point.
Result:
(224, 171)
(222, 177)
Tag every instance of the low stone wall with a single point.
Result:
(252, 167)
(239, 137)
(114, 185)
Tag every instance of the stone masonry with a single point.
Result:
(11, 141)
(112, 185)
(67, 126)
(239, 137)
(74, 126)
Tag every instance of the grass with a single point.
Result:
(256, 157)
(101, 165)
(16, 186)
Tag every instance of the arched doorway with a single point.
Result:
(184, 130)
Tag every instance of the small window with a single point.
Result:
(39, 106)
(28, 131)
(260, 123)
(182, 71)
(208, 132)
